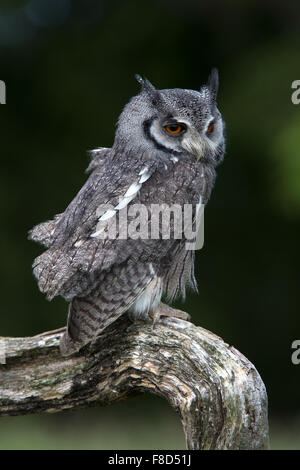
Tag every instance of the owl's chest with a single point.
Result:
(179, 184)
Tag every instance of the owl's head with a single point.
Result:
(177, 122)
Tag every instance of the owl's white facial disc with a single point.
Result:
(207, 139)
(163, 140)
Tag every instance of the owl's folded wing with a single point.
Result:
(75, 260)
(43, 233)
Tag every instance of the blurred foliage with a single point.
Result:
(139, 423)
(69, 69)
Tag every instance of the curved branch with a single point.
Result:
(217, 392)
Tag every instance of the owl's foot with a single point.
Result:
(165, 310)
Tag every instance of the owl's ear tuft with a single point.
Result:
(139, 78)
(147, 87)
(213, 83)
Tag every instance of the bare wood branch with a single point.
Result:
(217, 392)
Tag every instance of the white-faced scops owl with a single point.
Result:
(167, 145)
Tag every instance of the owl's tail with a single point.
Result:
(89, 316)
(86, 319)
(68, 346)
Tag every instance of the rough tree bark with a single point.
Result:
(217, 392)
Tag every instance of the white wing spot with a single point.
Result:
(128, 196)
(96, 234)
(151, 268)
(144, 178)
(108, 214)
(133, 189)
(123, 203)
(144, 170)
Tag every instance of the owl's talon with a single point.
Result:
(155, 319)
(167, 311)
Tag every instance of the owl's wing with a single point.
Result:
(75, 261)
(78, 271)
(43, 233)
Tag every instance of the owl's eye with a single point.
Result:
(210, 128)
(175, 128)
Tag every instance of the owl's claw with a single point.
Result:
(165, 310)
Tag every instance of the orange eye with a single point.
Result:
(210, 128)
(174, 128)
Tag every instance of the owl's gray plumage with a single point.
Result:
(103, 278)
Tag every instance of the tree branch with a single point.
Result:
(217, 392)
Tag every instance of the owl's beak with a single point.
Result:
(194, 144)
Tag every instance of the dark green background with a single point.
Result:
(69, 69)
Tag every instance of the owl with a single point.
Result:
(167, 145)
